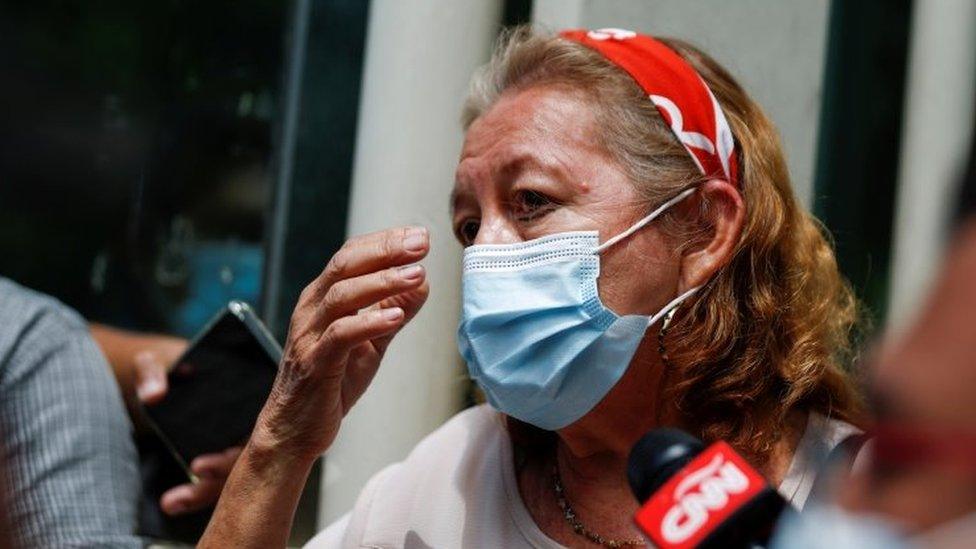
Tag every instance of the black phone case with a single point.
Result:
(213, 406)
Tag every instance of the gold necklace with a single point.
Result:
(570, 515)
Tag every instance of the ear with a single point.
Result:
(724, 216)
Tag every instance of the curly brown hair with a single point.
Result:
(771, 333)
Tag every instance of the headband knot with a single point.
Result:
(677, 90)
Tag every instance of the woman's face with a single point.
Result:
(532, 165)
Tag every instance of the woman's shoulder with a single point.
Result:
(461, 454)
(465, 433)
(451, 475)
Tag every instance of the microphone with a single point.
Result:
(693, 496)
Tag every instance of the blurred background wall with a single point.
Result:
(941, 85)
(158, 160)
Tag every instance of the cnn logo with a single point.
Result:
(702, 492)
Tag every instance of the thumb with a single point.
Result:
(150, 374)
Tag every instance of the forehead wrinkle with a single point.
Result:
(525, 159)
(567, 130)
(541, 112)
(536, 129)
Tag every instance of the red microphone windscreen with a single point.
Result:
(699, 498)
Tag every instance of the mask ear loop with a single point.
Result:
(669, 308)
(640, 225)
(668, 314)
(643, 222)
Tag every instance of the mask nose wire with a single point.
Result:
(643, 222)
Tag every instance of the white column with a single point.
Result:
(558, 14)
(935, 137)
(419, 58)
(774, 48)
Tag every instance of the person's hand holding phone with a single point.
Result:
(151, 366)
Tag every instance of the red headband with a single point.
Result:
(678, 92)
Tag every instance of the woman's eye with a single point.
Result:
(530, 205)
(467, 231)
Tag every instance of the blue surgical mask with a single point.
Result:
(536, 337)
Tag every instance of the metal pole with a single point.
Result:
(277, 233)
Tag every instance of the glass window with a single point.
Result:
(141, 155)
(135, 156)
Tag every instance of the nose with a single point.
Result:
(496, 229)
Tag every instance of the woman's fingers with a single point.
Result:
(349, 295)
(338, 320)
(150, 376)
(410, 301)
(345, 333)
(369, 253)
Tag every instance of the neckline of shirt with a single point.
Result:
(820, 432)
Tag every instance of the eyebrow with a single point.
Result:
(525, 161)
(517, 164)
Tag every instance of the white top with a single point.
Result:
(457, 488)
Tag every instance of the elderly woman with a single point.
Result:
(634, 258)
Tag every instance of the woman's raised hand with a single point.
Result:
(341, 326)
(339, 331)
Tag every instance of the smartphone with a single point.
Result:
(217, 387)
